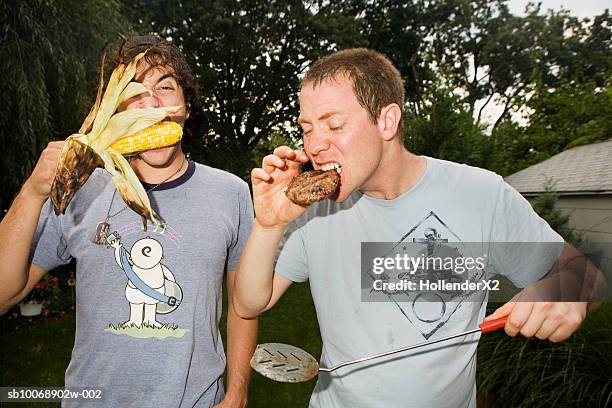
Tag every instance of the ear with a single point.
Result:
(389, 120)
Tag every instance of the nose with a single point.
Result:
(316, 142)
(148, 100)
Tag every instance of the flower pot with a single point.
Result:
(30, 309)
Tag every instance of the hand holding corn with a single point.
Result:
(38, 185)
(106, 136)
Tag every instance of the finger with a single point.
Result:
(258, 174)
(293, 165)
(272, 162)
(284, 152)
(569, 320)
(501, 311)
(539, 313)
(505, 309)
(301, 156)
(568, 325)
(53, 150)
(298, 158)
(561, 334)
(57, 144)
(51, 157)
(549, 326)
(517, 318)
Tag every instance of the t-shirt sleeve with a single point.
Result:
(245, 223)
(291, 259)
(525, 247)
(49, 246)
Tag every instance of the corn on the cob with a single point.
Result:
(163, 134)
(91, 146)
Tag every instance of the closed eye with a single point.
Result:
(335, 123)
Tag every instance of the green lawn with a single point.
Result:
(37, 354)
(292, 321)
(511, 372)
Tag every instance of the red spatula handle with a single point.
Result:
(493, 325)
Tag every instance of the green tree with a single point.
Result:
(487, 52)
(248, 57)
(544, 205)
(438, 122)
(50, 52)
(398, 30)
(444, 129)
(475, 48)
(571, 103)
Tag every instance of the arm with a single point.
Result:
(34, 275)
(114, 240)
(241, 341)
(258, 288)
(572, 287)
(19, 225)
(167, 274)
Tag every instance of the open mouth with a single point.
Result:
(338, 168)
(331, 166)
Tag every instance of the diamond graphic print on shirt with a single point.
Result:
(429, 310)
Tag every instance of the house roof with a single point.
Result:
(582, 170)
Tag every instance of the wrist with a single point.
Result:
(237, 384)
(271, 231)
(29, 194)
(236, 397)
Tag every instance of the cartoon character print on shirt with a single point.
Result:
(151, 287)
(430, 310)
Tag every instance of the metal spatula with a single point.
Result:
(285, 363)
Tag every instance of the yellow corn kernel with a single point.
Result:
(159, 135)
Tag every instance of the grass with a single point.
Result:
(533, 373)
(292, 321)
(36, 354)
(512, 372)
(147, 331)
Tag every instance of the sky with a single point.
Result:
(578, 8)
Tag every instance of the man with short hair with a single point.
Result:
(148, 302)
(351, 116)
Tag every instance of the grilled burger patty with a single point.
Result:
(311, 186)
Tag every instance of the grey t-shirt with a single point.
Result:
(209, 215)
(451, 202)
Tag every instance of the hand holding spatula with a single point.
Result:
(285, 363)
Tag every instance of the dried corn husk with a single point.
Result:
(90, 148)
